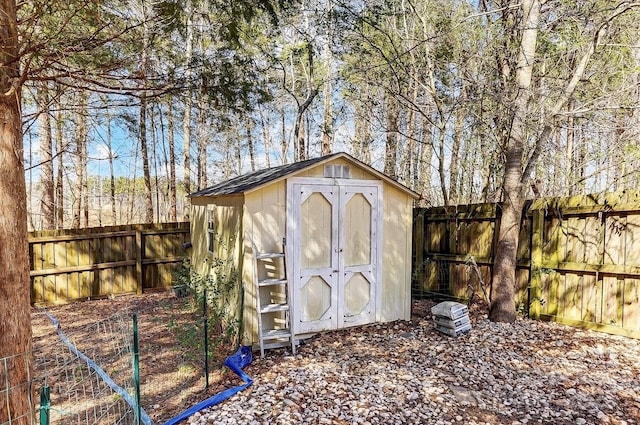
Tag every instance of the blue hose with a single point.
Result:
(236, 362)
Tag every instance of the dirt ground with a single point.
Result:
(172, 372)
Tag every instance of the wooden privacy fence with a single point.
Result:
(69, 265)
(578, 257)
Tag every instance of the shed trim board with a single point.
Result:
(339, 286)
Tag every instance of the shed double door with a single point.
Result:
(336, 234)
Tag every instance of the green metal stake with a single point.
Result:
(45, 405)
(206, 342)
(136, 368)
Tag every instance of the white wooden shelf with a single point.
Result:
(272, 282)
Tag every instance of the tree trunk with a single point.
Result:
(202, 133)
(84, 192)
(455, 176)
(186, 123)
(327, 120)
(81, 161)
(299, 126)
(284, 147)
(409, 158)
(15, 319)
(173, 214)
(327, 90)
(423, 183)
(300, 150)
(441, 167)
(47, 207)
(571, 155)
(112, 177)
(60, 173)
(154, 155)
(410, 148)
(503, 308)
(362, 136)
(237, 149)
(148, 197)
(265, 123)
(112, 184)
(391, 147)
(248, 124)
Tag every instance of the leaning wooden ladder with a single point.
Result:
(272, 295)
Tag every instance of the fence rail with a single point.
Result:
(578, 257)
(71, 265)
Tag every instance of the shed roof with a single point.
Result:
(257, 179)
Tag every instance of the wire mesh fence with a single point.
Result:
(432, 279)
(83, 368)
(459, 279)
(14, 407)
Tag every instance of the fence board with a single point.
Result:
(632, 240)
(578, 257)
(70, 265)
(590, 298)
(614, 240)
(631, 309)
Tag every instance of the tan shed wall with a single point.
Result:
(228, 229)
(199, 233)
(264, 224)
(227, 217)
(396, 255)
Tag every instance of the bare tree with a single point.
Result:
(186, 121)
(327, 85)
(519, 163)
(504, 269)
(81, 208)
(46, 159)
(392, 129)
(60, 165)
(144, 150)
(172, 161)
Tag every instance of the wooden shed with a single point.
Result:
(344, 233)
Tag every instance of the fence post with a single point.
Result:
(139, 273)
(45, 404)
(206, 340)
(418, 250)
(136, 369)
(535, 278)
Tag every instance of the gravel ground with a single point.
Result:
(406, 372)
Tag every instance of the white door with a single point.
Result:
(334, 230)
(358, 245)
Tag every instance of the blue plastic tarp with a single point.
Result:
(236, 362)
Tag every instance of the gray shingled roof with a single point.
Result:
(252, 180)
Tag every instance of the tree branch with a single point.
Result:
(569, 90)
